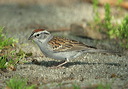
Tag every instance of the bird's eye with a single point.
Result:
(37, 35)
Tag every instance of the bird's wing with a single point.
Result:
(62, 44)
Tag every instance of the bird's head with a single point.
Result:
(39, 34)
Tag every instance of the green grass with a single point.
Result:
(107, 20)
(96, 13)
(8, 60)
(123, 32)
(8, 55)
(12, 58)
(101, 86)
(75, 86)
(119, 2)
(4, 41)
(113, 31)
(18, 83)
(3, 62)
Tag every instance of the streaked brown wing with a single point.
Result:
(62, 44)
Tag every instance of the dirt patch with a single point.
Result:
(88, 69)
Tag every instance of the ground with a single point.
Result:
(87, 70)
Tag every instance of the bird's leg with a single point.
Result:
(60, 65)
(63, 63)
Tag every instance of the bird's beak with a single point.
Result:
(31, 36)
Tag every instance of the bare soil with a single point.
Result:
(87, 70)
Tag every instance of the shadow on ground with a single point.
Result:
(55, 63)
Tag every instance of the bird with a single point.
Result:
(60, 48)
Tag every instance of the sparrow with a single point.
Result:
(60, 48)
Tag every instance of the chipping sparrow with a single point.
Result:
(60, 48)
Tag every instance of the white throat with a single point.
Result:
(43, 45)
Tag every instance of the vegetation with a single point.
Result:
(119, 2)
(3, 62)
(96, 14)
(101, 86)
(113, 31)
(75, 86)
(123, 32)
(107, 20)
(9, 58)
(8, 55)
(18, 83)
(4, 41)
